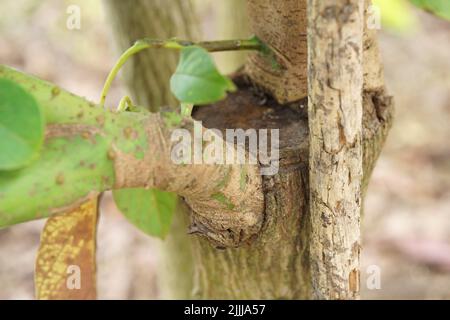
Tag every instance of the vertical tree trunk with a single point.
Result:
(277, 263)
(272, 266)
(282, 24)
(147, 77)
(335, 78)
(232, 23)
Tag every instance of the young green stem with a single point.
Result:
(123, 58)
(212, 46)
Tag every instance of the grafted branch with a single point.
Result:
(90, 150)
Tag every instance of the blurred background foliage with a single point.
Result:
(407, 210)
(399, 15)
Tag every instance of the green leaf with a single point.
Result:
(197, 80)
(22, 126)
(440, 8)
(68, 169)
(150, 210)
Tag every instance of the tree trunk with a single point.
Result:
(276, 264)
(335, 78)
(232, 23)
(282, 25)
(147, 77)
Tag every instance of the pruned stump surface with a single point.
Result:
(272, 264)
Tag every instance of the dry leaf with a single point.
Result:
(65, 264)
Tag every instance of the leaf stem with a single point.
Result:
(186, 109)
(212, 46)
(123, 58)
(252, 43)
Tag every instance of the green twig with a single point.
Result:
(123, 58)
(212, 46)
(186, 109)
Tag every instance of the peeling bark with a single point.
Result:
(335, 77)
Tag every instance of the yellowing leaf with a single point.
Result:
(65, 264)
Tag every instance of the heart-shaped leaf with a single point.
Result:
(150, 210)
(21, 126)
(197, 80)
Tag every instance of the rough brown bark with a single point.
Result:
(270, 267)
(335, 77)
(282, 26)
(276, 264)
(378, 105)
(372, 67)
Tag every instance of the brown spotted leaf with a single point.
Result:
(65, 263)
